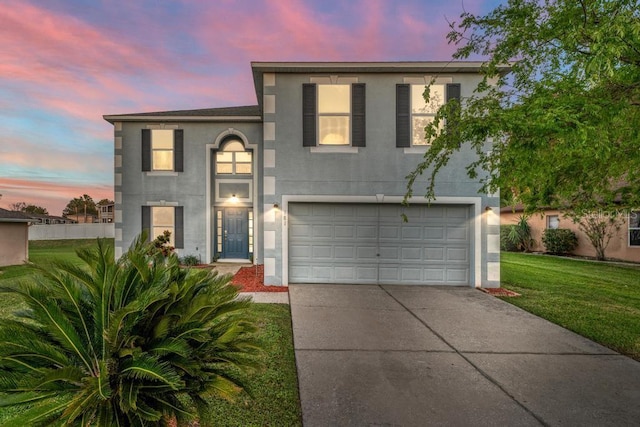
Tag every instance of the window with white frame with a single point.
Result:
(232, 159)
(334, 114)
(634, 228)
(162, 219)
(162, 150)
(553, 222)
(422, 112)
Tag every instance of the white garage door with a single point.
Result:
(370, 244)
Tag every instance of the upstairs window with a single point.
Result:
(423, 113)
(333, 115)
(413, 113)
(162, 150)
(232, 159)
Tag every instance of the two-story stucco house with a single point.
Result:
(309, 182)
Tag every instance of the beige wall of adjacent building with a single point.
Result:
(14, 243)
(618, 246)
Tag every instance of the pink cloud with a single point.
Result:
(53, 197)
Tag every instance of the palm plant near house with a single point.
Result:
(130, 342)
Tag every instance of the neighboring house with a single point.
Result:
(310, 181)
(624, 245)
(105, 213)
(14, 237)
(81, 218)
(49, 219)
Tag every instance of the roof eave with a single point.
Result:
(165, 118)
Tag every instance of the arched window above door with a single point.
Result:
(233, 159)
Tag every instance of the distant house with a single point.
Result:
(310, 181)
(42, 219)
(105, 213)
(81, 218)
(14, 237)
(624, 245)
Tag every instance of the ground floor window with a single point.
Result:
(162, 219)
(634, 228)
(553, 222)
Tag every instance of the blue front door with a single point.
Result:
(235, 233)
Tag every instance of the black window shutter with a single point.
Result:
(146, 150)
(309, 115)
(146, 221)
(178, 146)
(178, 239)
(453, 91)
(403, 116)
(358, 115)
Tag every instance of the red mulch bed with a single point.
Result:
(251, 279)
(500, 292)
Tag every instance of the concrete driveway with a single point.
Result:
(413, 356)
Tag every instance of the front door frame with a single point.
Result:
(257, 159)
(235, 232)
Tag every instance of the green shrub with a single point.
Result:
(129, 342)
(559, 240)
(505, 242)
(189, 260)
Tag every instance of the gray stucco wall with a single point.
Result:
(134, 188)
(285, 171)
(378, 168)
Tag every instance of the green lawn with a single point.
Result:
(597, 300)
(274, 389)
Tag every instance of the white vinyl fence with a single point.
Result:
(71, 231)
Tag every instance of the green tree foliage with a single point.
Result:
(131, 342)
(83, 205)
(35, 210)
(564, 122)
(599, 227)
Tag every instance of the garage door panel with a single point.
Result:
(434, 254)
(342, 243)
(434, 233)
(458, 254)
(389, 253)
(411, 254)
(345, 252)
(457, 233)
(458, 275)
(367, 253)
(345, 231)
(367, 232)
(323, 252)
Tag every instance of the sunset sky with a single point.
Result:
(66, 63)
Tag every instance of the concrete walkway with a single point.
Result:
(419, 356)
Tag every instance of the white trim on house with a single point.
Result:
(476, 202)
(209, 206)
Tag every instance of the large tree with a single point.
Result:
(34, 209)
(81, 205)
(565, 121)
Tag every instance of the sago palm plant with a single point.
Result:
(132, 342)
